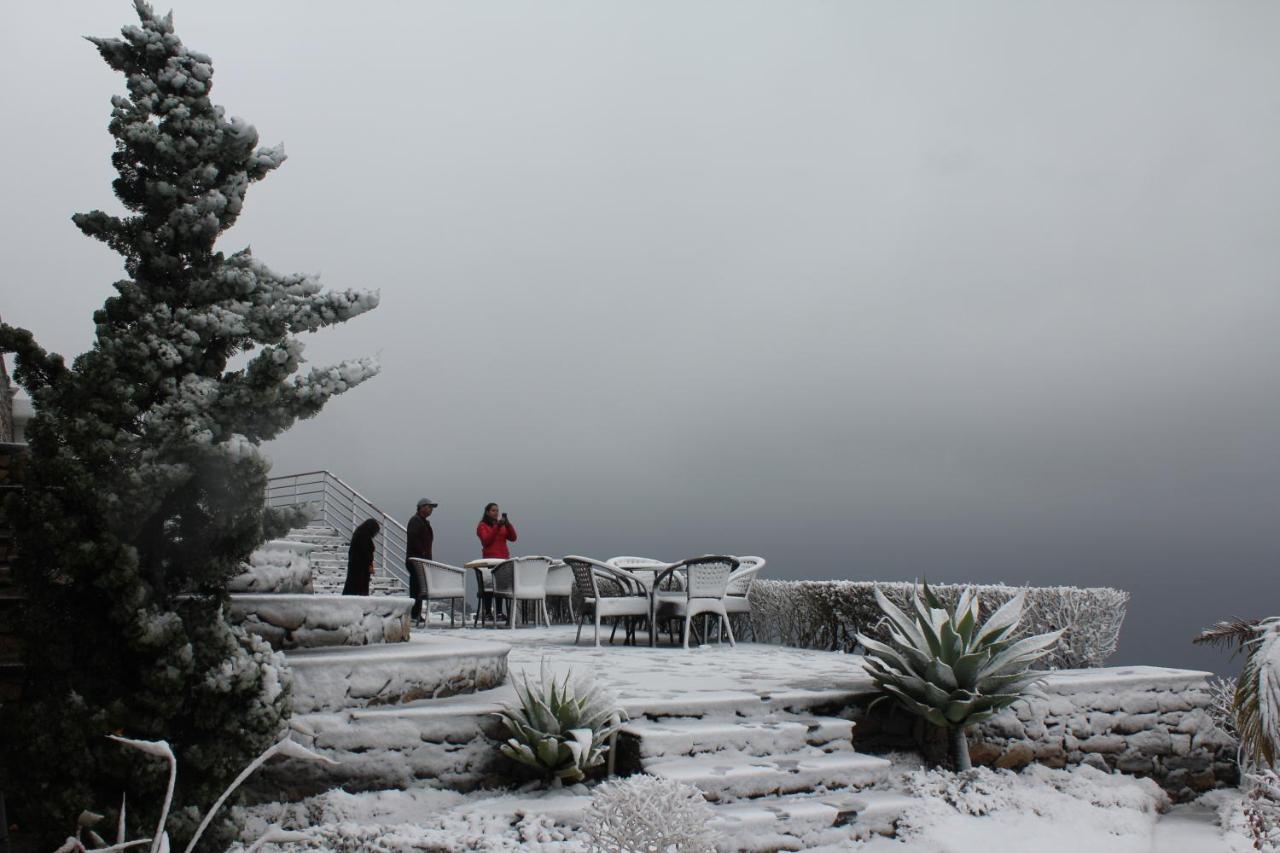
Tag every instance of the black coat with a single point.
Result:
(359, 560)
(419, 540)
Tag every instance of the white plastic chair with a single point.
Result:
(523, 579)
(560, 585)
(706, 579)
(606, 591)
(439, 581)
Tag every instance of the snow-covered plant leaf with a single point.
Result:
(560, 728)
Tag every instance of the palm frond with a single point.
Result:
(1233, 633)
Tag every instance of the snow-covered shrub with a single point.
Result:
(645, 814)
(950, 668)
(1222, 694)
(144, 482)
(984, 791)
(1261, 809)
(561, 729)
(829, 614)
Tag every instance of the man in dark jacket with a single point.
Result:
(420, 538)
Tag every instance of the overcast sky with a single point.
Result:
(973, 291)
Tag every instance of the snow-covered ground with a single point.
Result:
(1038, 811)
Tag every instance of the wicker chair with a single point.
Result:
(607, 591)
(522, 579)
(736, 601)
(439, 581)
(706, 579)
(560, 585)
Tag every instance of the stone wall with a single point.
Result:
(1141, 720)
(316, 621)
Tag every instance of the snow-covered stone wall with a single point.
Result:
(1141, 720)
(312, 621)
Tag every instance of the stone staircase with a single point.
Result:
(779, 776)
(329, 562)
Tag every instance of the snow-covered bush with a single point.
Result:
(829, 614)
(645, 814)
(144, 486)
(950, 668)
(560, 729)
(1261, 808)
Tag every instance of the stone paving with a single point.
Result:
(641, 675)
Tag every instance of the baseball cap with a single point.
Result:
(426, 502)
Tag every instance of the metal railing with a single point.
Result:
(333, 503)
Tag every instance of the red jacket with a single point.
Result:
(494, 539)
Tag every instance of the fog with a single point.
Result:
(972, 292)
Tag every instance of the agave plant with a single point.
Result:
(561, 729)
(1255, 702)
(947, 668)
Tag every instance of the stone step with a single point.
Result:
(728, 775)
(751, 736)
(742, 703)
(783, 822)
(426, 667)
(448, 742)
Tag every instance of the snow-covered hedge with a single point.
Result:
(828, 614)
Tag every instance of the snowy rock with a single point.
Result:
(1103, 743)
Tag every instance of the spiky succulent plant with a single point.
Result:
(945, 667)
(561, 729)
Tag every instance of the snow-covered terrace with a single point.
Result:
(643, 677)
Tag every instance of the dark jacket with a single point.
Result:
(419, 540)
(359, 560)
(494, 539)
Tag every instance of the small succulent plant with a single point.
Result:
(945, 667)
(561, 728)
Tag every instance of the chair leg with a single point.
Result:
(546, 620)
(724, 617)
(451, 606)
(597, 629)
(578, 636)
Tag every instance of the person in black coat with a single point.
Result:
(360, 559)
(419, 538)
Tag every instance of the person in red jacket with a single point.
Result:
(495, 531)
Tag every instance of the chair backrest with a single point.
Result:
(522, 576)
(595, 579)
(741, 578)
(438, 580)
(707, 577)
(559, 579)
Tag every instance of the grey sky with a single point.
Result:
(979, 291)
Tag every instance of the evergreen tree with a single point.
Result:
(145, 485)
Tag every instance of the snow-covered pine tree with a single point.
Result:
(145, 485)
